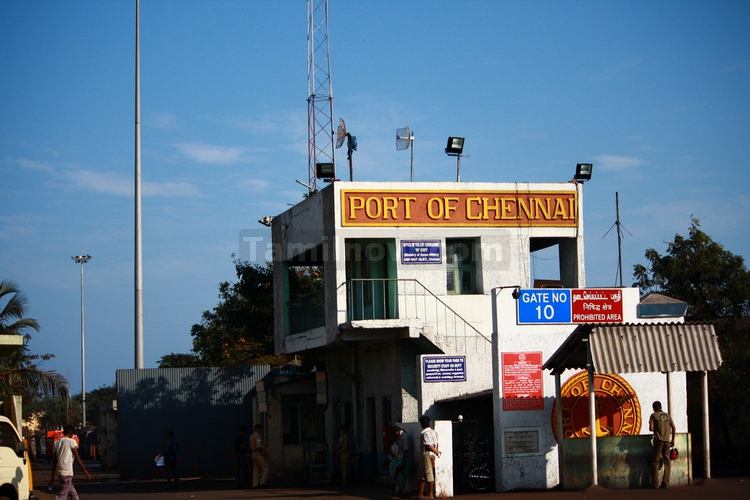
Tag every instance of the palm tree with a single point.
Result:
(19, 372)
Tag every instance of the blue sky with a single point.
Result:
(654, 93)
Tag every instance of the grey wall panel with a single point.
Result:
(203, 406)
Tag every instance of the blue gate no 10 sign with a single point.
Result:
(544, 305)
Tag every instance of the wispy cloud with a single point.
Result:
(37, 166)
(212, 154)
(116, 184)
(617, 163)
(256, 184)
(162, 120)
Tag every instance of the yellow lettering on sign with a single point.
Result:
(355, 203)
(374, 207)
(470, 214)
(543, 206)
(450, 205)
(494, 207)
(408, 200)
(560, 209)
(528, 210)
(435, 213)
(506, 210)
(390, 205)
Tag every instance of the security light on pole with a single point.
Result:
(455, 147)
(82, 259)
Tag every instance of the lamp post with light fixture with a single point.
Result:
(82, 259)
(455, 147)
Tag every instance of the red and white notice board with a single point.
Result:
(522, 381)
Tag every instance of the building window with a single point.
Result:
(301, 420)
(461, 263)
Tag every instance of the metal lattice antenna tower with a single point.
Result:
(320, 91)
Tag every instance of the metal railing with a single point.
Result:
(407, 299)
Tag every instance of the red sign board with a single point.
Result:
(597, 305)
(522, 381)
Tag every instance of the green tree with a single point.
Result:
(716, 285)
(19, 369)
(239, 330)
(179, 360)
(713, 281)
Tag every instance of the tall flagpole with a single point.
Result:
(138, 242)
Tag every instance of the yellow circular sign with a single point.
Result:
(618, 411)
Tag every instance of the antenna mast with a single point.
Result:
(620, 228)
(320, 91)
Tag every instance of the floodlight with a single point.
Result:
(325, 170)
(266, 220)
(455, 146)
(583, 172)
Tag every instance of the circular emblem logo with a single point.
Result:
(618, 411)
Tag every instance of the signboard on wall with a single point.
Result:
(544, 305)
(565, 305)
(421, 252)
(444, 368)
(597, 305)
(364, 207)
(521, 442)
(522, 381)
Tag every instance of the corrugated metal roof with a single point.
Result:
(165, 387)
(640, 348)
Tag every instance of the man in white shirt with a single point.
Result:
(429, 439)
(66, 449)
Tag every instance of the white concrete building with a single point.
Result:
(377, 282)
(421, 298)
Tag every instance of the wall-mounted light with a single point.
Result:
(325, 170)
(266, 221)
(583, 172)
(455, 147)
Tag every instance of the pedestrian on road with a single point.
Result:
(661, 424)
(342, 454)
(65, 450)
(402, 460)
(259, 456)
(430, 451)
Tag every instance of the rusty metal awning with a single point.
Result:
(639, 348)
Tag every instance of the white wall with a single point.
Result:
(541, 470)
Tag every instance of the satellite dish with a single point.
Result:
(340, 133)
(405, 140)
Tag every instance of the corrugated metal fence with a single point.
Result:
(203, 406)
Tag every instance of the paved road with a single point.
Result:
(724, 489)
(105, 486)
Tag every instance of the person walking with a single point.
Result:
(258, 456)
(661, 424)
(430, 451)
(65, 450)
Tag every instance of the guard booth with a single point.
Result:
(605, 352)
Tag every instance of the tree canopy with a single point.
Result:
(239, 330)
(716, 285)
(696, 269)
(19, 369)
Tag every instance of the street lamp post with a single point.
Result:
(82, 259)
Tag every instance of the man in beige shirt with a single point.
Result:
(259, 453)
(661, 424)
